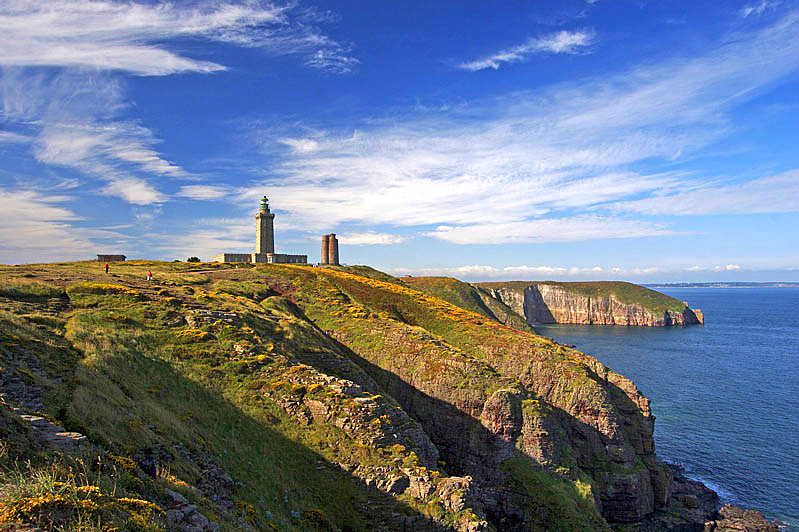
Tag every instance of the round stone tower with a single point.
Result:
(330, 249)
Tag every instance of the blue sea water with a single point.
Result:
(725, 395)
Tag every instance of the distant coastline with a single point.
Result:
(723, 285)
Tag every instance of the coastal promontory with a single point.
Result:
(288, 397)
(593, 303)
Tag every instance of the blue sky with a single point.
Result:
(646, 141)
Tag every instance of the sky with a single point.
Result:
(648, 141)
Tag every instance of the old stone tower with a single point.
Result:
(264, 229)
(330, 249)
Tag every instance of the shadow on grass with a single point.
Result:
(136, 401)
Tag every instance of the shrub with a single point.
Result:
(193, 259)
(101, 289)
(191, 336)
(54, 497)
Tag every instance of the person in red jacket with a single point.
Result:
(106, 267)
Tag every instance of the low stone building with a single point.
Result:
(264, 243)
(111, 258)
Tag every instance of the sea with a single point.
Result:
(725, 394)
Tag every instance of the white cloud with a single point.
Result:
(206, 238)
(300, 145)
(562, 42)
(203, 192)
(74, 113)
(765, 195)
(369, 238)
(528, 273)
(9, 137)
(760, 7)
(36, 227)
(732, 267)
(133, 190)
(549, 230)
(129, 36)
(73, 121)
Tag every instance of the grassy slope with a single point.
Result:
(130, 380)
(125, 375)
(447, 352)
(468, 297)
(629, 293)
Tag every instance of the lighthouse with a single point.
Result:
(264, 243)
(264, 230)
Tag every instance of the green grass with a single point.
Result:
(24, 289)
(70, 494)
(556, 504)
(452, 290)
(468, 297)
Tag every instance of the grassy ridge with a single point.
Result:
(452, 290)
(629, 293)
(468, 297)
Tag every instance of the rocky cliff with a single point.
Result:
(561, 303)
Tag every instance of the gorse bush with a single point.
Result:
(64, 494)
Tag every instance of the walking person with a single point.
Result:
(149, 276)
(106, 267)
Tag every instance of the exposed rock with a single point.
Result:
(628, 497)
(547, 303)
(202, 316)
(184, 517)
(154, 458)
(214, 483)
(53, 436)
(734, 519)
(502, 414)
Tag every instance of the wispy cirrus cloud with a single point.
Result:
(9, 137)
(131, 36)
(537, 167)
(765, 195)
(72, 121)
(369, 238)
(73, 116)
(34, 226)
(204, 192)
(482, 272)
(578, 228)
(759, 8)
(562, 42)
(643, 273)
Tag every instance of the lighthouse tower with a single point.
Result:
(264, 233)
(264, 243)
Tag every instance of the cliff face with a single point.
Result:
(549, 303)
(494, 400)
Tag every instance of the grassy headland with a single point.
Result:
(292, 398)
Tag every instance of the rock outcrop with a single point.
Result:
(551, 303)
(734, 519)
